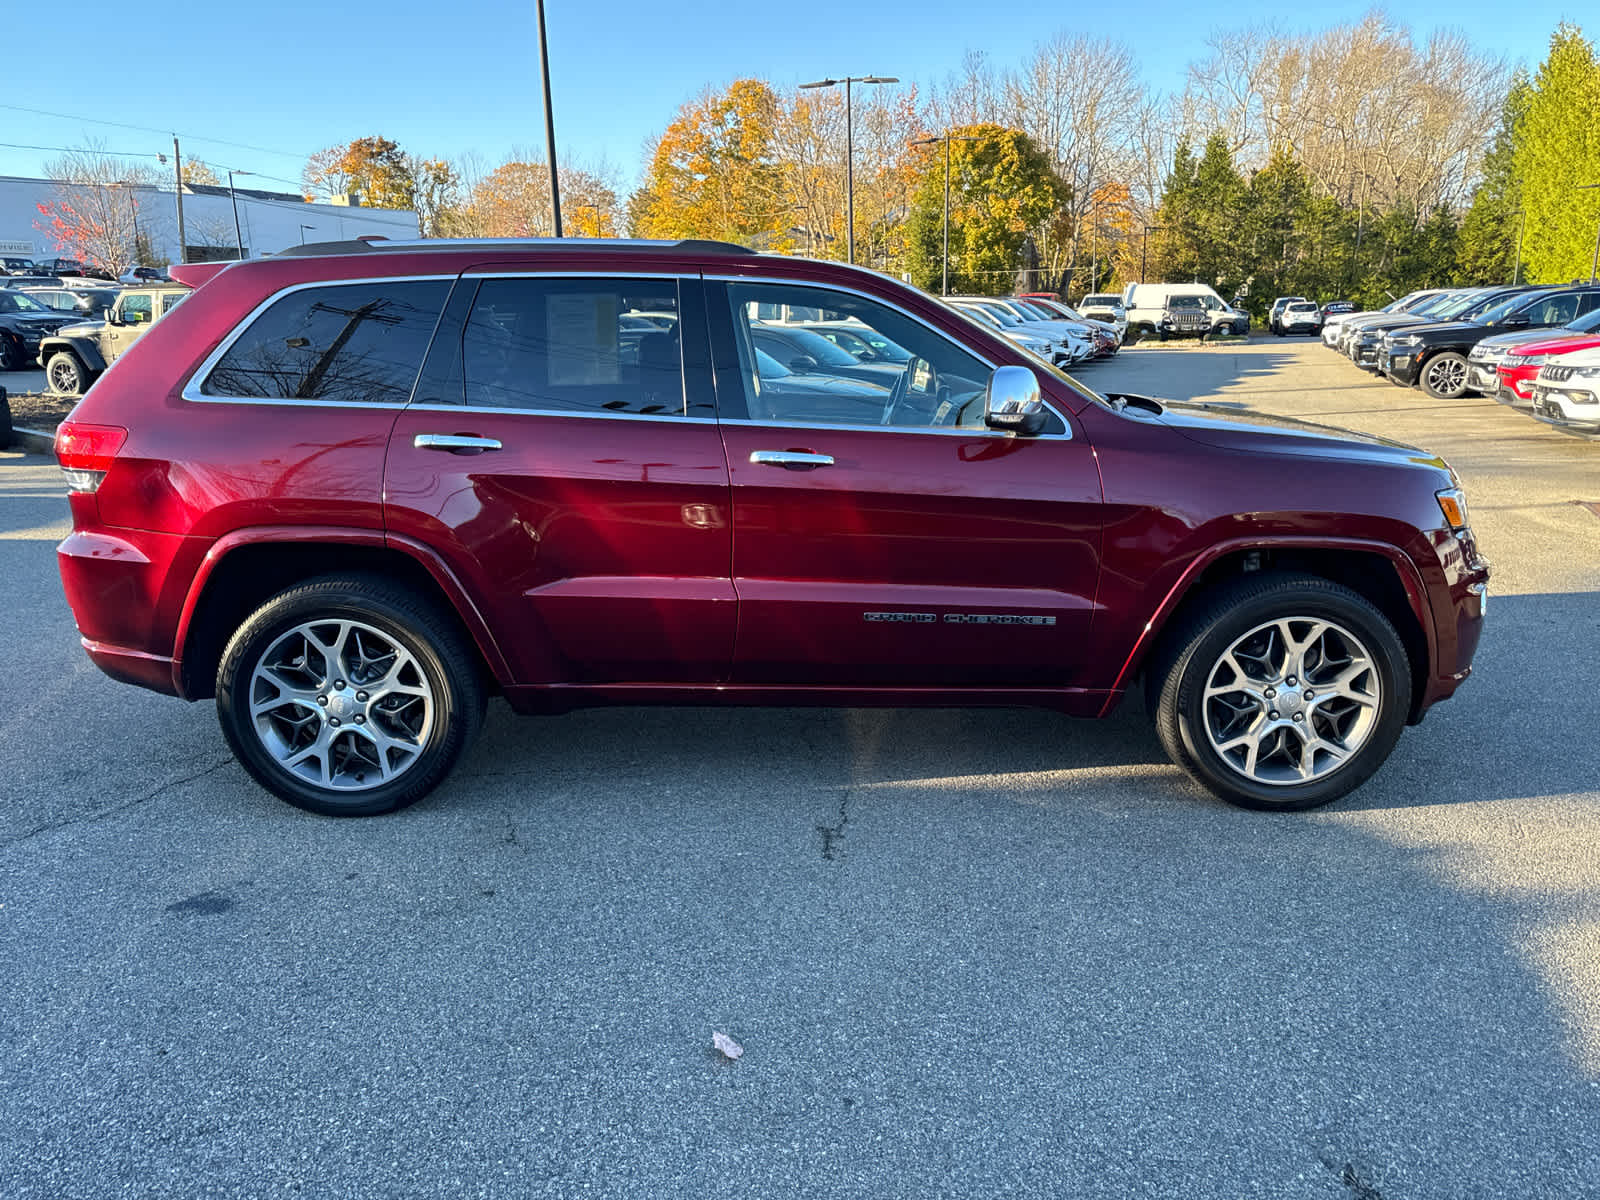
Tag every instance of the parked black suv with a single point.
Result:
(1435, 356)
(24, 323)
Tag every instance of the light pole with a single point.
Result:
(1144, 254)
(549, 121)
(946, 138)
(303, 229)
(238, 236)
(849, 152)
(1594, 263)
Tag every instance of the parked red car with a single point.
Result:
(352, 490)
(1518, 369)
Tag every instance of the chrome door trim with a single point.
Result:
(790, 458)
(454, 441)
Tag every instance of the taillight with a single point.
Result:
(85, 452)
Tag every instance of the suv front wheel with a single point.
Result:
(65, 374)
(1282, 692)
(349, 696)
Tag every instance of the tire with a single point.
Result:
(65, 374)
(1444, 376)
(301, 656)
(1363, 720)
(10, 355)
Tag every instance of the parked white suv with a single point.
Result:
(1300, 316)
(1107, 307)
(1567, 394)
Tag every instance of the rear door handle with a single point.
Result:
(456, 443)
(794, 460)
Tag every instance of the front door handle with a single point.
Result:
(456, 443)
(793, 460)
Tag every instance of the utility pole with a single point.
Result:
(549, 121)
(1594, 263)
(177, 175)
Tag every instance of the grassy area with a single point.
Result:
(43, 412)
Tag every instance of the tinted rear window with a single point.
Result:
(359, 343)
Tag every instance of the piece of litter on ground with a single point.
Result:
(724, 1043)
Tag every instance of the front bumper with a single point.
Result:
(1483, 378)
(1367, 356)
(1576, 410)
(1401, 366)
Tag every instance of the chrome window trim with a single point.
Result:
(191, 386)
(909, 315)
(556, 412)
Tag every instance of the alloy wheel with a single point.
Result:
(341, 704)
(1292, 701)
(1447, 376)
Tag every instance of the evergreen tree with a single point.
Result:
(1488, 245)
(1557, 148)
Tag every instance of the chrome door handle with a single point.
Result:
(456, 443)
(794, 460)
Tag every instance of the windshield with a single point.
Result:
(1003, 316)
(770, 368)
(1452, 304)
(1108, 301)
(1478, 306)
(1034, 309)
(1303, 308)
(14, 302)
(819, 348)
(1502, 310)
(1585, 324)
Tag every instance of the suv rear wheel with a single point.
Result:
(65, 374)
(349, 695)
(1283, 692)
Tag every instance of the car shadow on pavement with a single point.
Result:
(1509, 732)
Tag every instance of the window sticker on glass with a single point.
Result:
(582, 328)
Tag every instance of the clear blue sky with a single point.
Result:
(447, 78)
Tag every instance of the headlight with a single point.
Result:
(1407, 339)
(1586, 372)
(1526, 360)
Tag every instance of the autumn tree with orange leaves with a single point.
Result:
(714, 173)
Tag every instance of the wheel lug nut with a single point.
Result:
(1299, 716)
(1311, 695)
(1289, 681)
(1272, 714)
(334, 721)
(322, 700)
(1271, 692)
(360, 720)
(338, 685)
(361, 696)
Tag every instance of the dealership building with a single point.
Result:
(267, 221)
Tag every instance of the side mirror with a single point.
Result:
(112, 316)
(802, 363)
(1012, 401)
(1515, 320)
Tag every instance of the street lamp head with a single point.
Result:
(879, 79)
(927, 141)
(821, 83)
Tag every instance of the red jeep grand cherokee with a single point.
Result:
(353, 489)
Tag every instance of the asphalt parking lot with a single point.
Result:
(968, 953)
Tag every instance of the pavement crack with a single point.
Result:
(833, 833)
(102, 814)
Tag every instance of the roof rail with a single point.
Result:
(364, 246)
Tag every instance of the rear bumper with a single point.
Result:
(152, 671)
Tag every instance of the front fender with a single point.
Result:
(87, 352)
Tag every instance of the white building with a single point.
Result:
(268, 221)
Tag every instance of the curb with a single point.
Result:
(33, 441)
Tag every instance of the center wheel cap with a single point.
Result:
(1289, 700)
(340, 705)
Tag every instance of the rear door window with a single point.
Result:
(577, 345)
(358, 343)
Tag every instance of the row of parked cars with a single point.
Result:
(1535, 348)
